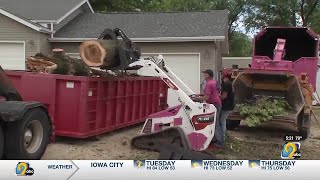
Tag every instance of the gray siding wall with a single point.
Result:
(45, 46)
(56, 27)
(67, 47)
(219, 56)
(210, 58)
(11, 30)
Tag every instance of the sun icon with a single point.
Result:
(253, 164)
(139, 164)
(195, 164)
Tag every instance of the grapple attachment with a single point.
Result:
(127, 51)
(171, 143)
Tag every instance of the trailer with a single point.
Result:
(284, 65)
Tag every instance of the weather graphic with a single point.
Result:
(196, 163)
(254, 163)
(291, 150)
(24, 169)
(139, 164)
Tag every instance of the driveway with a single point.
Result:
(244, 143)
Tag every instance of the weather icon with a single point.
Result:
(254, 163)
(196, 164)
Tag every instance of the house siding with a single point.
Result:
(67, 47)
(11, 30)
(56, 27)
(219, 56)
(45, 46)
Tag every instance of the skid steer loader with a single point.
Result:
(178, 132)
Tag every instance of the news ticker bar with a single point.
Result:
(160, 169)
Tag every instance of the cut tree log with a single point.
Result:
(40, 65)
(65, 64)
(100, 53)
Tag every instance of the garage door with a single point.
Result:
(186, 67)
(12, 55)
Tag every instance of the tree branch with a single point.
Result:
(302, 12)
(313, 7)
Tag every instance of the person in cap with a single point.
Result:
(211, 91)
(227, 98)
(211, 94)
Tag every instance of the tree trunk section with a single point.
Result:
(99, 53)
(58, 63)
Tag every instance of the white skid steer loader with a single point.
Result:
(180, 131)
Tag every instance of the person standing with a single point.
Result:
(211, 96)
(227, 98)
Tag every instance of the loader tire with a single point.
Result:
(28, 138)
(1, 143)
(232, 124)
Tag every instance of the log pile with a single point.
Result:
(59, 63)
(40, 65)
(96, 55)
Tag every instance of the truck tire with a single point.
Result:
(232, 124)
(1, 142)
(28, 138)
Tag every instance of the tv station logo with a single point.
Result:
(291, 150)
(221, 165)
(196, 163)
(24, 169)
(139, 164)
(254, 163)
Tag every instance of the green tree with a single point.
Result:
(315, 21)
(279, 13)
(236, 9)
(115, 5)
(240, 45)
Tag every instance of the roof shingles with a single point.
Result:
(39, 9)
(149, 24)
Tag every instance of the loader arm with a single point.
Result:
(150, 68)
(174, 77)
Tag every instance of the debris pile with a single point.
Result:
(36, 64)
(59, 63)
(261, 109)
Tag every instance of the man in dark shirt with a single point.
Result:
(227, 98)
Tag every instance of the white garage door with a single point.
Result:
(186, 67)
(12, 55)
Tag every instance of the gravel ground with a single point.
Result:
(244, 143)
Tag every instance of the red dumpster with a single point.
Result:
(81, 107)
